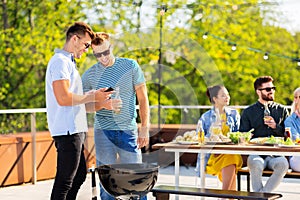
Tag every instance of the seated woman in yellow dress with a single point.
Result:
(222, 165)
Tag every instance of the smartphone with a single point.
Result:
(109, 89)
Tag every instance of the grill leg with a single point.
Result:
(94, 188)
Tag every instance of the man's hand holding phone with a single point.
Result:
(102, 94)
(109, 89)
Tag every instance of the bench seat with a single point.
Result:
(245, 172)
(161, 192)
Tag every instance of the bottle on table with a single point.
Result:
(287, 133)
(216, 127)
(200, 132)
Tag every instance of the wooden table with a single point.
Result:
(248, 149)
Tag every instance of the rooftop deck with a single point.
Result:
(41, 190)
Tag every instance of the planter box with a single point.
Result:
(16, 153)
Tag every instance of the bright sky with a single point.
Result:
(291, 10)
(290, 18)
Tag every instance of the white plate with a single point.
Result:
(258, 140)
(289, 146)
(264, 141)
(218, 142)
(186, 142)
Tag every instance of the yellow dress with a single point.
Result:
(217, 162)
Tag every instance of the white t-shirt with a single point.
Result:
(64, 119)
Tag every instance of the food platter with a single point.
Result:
(188, 138)
(266, 141)
(187, 142)
(274, 141)
(261, 140)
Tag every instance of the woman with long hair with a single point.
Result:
(222, 165)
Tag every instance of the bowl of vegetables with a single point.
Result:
(237, 137)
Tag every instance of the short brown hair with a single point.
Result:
(79, 28)
(260, 80)
(100, 37)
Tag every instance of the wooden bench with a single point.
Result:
(245, 172)
(162, 192)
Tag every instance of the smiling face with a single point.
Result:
(81, 44)
(223, 98)
(78, 39)
(266, 92)
(103, 53)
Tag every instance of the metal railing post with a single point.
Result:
(33, 147)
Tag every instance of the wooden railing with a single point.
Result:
(33, 133)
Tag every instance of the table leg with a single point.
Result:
(202, 170)
(177, 162)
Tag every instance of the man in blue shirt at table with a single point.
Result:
(253, 118)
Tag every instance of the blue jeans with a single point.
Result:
(71, 166)
(116, 144)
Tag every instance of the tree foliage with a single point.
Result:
(30, 32)
(205, 62)
(168, 45)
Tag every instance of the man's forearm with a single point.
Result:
(90, 107)
(144, 114)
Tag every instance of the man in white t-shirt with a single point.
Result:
(66, 112)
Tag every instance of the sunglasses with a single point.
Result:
(104, 53)
(268, 89)
(87, 45)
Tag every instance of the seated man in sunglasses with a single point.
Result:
(253, 117)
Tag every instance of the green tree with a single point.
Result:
(246, 25)
(204, 62)
(168, 45)
(30, 32)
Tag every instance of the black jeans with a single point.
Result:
(71, 166)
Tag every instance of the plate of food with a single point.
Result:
(218, 142)
(289, 145)
(189, 137)
(187, 142)
(260, 140)
(217, 139)
(267, 141)
(240, 137)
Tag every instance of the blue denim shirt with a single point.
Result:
(232, 116)
(233, 121)
(293, 121)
